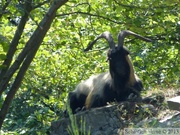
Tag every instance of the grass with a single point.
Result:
(73, 128)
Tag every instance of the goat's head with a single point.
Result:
(118, 54)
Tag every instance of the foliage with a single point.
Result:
(60, 63)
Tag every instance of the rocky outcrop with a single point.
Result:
(112, 119)
(108, 120)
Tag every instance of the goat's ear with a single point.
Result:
(126, 51)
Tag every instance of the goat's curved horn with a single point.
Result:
(125, 33)
(107, 35)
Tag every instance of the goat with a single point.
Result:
(115, 85)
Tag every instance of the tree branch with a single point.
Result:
(4, 8)
(32, 45)
(144, 8)
(15, 41)
(86, 13)
(40, 4)
(128, 6)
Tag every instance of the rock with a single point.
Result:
(174, 103)
(168, 122)
(108, 120)
(171, 121)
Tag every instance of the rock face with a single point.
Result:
(174, 103)
(108, 120)
(112, 119)
(100, 119)
(168, 122)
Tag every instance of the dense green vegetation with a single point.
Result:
(60, 63)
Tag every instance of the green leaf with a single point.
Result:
(2, 56)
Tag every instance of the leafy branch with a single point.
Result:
(14, 43)
(89, 14)
(3, 10)
(144, 8)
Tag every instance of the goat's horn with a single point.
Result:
(107, 35)
(125, 33)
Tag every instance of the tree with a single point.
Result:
(26, 56)
(60, 63)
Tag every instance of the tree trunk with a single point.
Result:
(30, 50)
